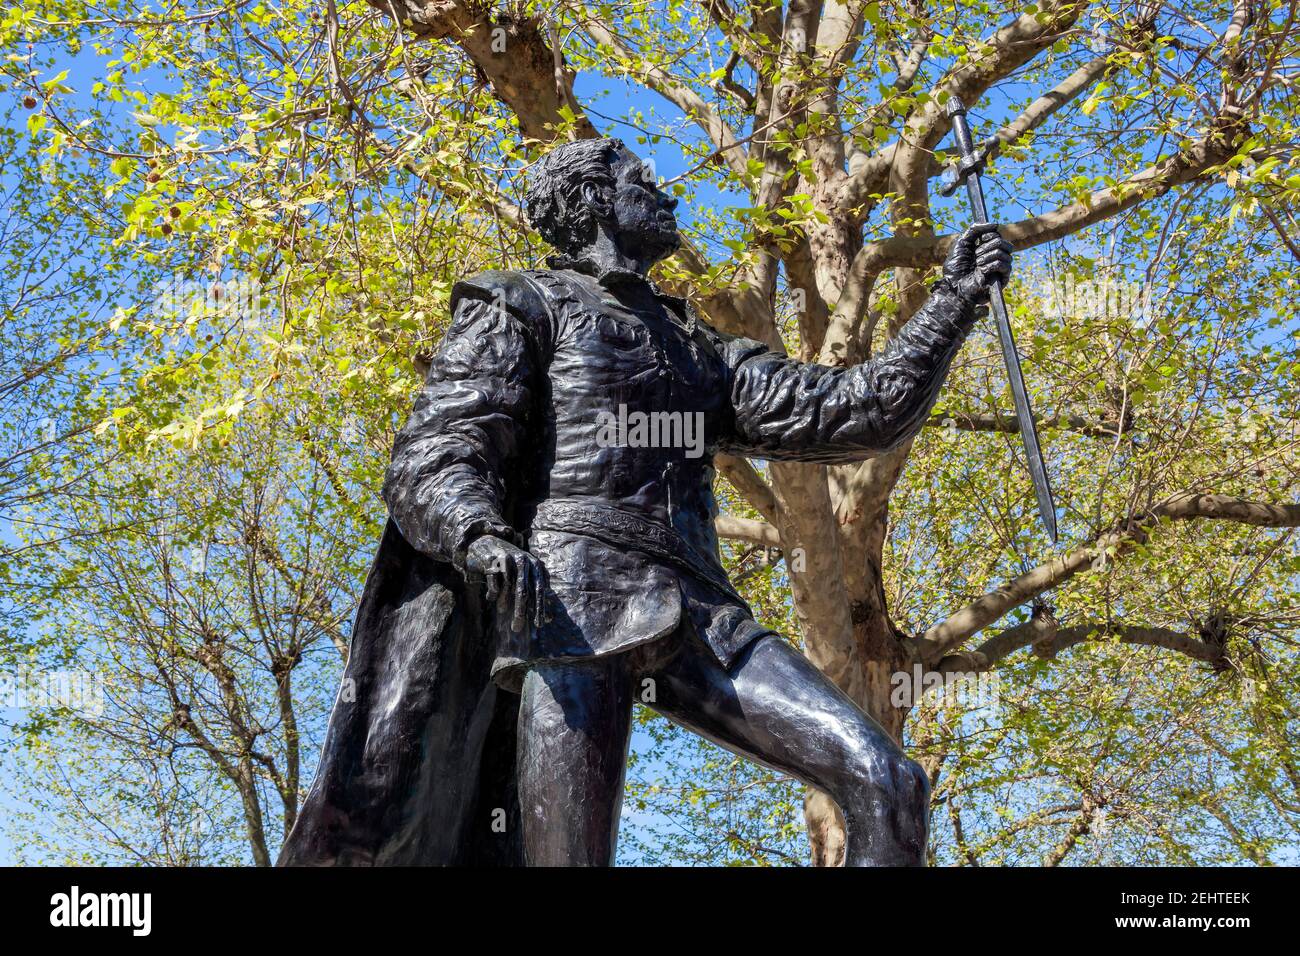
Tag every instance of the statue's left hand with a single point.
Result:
(978, 258)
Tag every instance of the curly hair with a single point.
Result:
(553, 202)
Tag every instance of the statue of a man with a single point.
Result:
(558, 462)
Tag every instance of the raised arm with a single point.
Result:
(797, 411)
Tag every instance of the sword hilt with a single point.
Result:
(972, 160)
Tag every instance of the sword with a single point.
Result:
(968, 171)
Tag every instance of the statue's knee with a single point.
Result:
(913, 783)
(890, 778)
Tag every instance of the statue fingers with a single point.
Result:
(997, 247)
(520, 592)
(995, 266)
(539, 593)
(994, 258)
(974, 235)
(492, 584)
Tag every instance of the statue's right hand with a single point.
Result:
(515, 579)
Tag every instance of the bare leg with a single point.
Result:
(574, 723)
(776, 708)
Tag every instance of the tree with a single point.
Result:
(211, 606)
(53, 350)
(354, 159)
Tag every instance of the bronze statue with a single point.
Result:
(550, 556)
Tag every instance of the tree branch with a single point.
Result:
(679, 94)
(1006, 423)
(945, 637)
(747, 529)
(1192, 163)
(745, 479)
(1048, 640)
(513, 53)
(1010, 47)
(1041, 109)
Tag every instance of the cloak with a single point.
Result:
(418, 766)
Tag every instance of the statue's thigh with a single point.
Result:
(774, 707)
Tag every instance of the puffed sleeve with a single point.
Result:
(797, 411)
(445, 484)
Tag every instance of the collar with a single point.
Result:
(608, 277)
(612, 278)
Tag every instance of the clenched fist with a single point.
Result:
(978, 257)
(516, 580)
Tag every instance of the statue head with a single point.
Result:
(594, 189)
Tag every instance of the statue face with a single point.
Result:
(642, 215)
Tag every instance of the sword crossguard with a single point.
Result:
(960, 171)
(972, 160)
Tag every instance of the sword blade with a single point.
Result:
(1011, 358)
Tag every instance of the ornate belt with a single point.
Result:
(631, 531)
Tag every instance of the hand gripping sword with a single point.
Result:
(968, 171)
